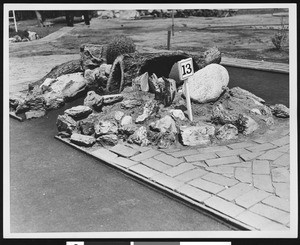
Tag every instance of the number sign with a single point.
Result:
(185, 68)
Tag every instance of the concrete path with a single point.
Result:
(247, 183)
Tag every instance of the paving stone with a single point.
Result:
(284, 149)
(222, 161)
(240, 165)
(124, 151)
(280, 175)
(250, 156)
(174, 171)
(169, 150)
(124, 162)
(235, 191)
(137, 147)
(241, 145)
(201, 164)
(252, 197)
(212, 149)
(259, 222)
(224, 206)
(232, 152)
(145, 155)
(243, 174)
(270, 155)
(173, 161)
(200, 157)
(143, 170)
(263, 182)
(261, 140)
(183, 153)
(155, 164)
(193, 193)
(219, 179)
(104, 154)
(206, 185)
(190, 175)
(261, 167)
(282, 141)
(262, 147)
(221, 170)
(284, 160)
(282, 190)
(271, 213)
(278, 202)
(167, 181)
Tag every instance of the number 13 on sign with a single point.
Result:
(186, 70)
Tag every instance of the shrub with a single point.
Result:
(117, 46)
(279, 38)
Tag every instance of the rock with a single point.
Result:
(242, 94)
(93, 100)
(126, 120)
(256, 111)
(163, 125)
(149, 108)
(46, 85)
(79, 112)
(128, 129)
(269, 121)
(208, 83)
(246, 124)
(174, 74)
(105, 69)
(166, 140)
(70, 85)
(129, 104)
(141, 82)
(280, 110)
(222, 116)
(112, 99)
(53, 100)
(16, 99)
(139, 137)
(163, 88)
(178, 114)
(227, 132)
(119, 115)
(35, 114)
(108, 139)
(92, 56)
(32, 35)
(65, 123)
(82, 140)
(105, 127)
(86, 126)
(196, 135)
(95, 78)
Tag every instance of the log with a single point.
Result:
(129, 66)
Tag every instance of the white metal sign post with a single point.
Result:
(186, 69)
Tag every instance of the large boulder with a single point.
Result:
(94, 101)
(196, 135)
(65, 123)
(280, 110)
(163, 125)
(82, 140)
(208, 83)
(79, 112)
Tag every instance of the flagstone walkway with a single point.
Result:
(246, 183)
